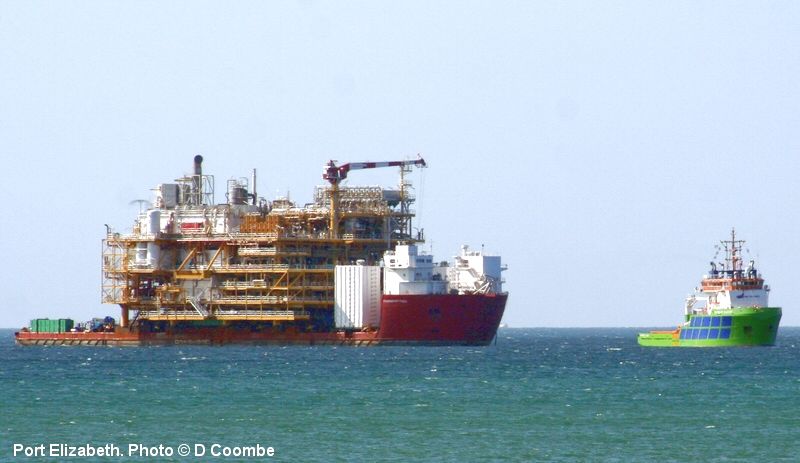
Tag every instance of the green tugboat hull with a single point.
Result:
(740, 326)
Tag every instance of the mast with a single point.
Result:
(733, 253)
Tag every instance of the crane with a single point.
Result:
(335, 174)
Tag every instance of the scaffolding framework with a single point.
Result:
(188, 260)
(263, 277)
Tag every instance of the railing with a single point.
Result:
(170, 314)
(264, 299)
(363, 236)
(721, 284)
(270, 299)
(224, 315)
(255, 284)
(263, 315)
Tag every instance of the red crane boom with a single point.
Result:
(335, 174)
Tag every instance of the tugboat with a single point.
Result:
(730, 308)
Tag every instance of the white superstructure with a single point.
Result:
(476, 272)
(728, 285)
(406, 271)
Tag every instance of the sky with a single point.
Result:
(601, 148)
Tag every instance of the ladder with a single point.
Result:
(198, 306)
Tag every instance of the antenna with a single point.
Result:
(140, 202)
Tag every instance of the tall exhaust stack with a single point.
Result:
(197, 180)
(255, 195)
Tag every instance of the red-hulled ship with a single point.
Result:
(344, 269)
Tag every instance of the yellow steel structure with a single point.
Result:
(272, 263)
(254, 276)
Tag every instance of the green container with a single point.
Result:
(39, 325)
(45, 325)
(65, 325)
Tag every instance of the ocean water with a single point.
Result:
(537, 395)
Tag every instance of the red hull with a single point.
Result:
(417, 319)
(441, 319)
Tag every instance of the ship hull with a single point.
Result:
(743, 326)
(441, 318)
(415, 320)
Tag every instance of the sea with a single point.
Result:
(562, 395)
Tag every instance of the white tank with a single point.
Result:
(153, 253)
(141, 253)
(153, 229)
(154, 221)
